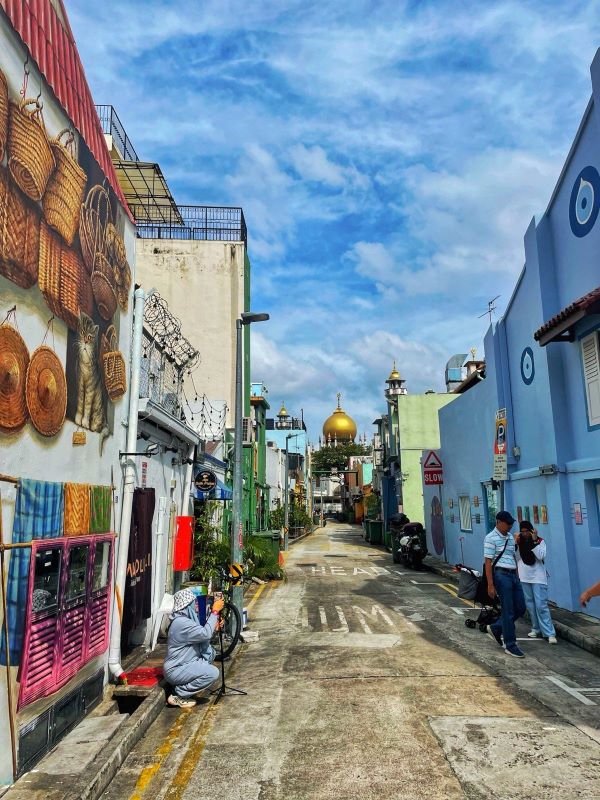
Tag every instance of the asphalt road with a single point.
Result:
(365, 683)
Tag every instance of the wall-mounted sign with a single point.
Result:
(527, 366)
(205, 481)
(536, 515)
(476, 501)
(585, 201)
(544, 514)
(144, 474)
(433, 470)
(578, 513)
(500, 447)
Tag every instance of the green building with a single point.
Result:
(413, 427)
(259, 502)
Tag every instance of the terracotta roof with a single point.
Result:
(44, 29)
(588, 304)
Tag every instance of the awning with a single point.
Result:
(560, 327)
(220, 492)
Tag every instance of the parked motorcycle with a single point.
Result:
(409, 545)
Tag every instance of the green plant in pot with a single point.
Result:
(211, 549)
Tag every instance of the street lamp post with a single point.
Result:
(237, 529)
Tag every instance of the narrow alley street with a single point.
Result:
(365, 683)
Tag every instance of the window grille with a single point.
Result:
(464, 507)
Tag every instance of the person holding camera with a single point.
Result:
(503, 580)
(531, 556)
(188, 664)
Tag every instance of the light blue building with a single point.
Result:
(542, 364)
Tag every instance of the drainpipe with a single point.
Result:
(114, 653)
(189, 474)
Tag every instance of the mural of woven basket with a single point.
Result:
(115, 375)
(19, 234)
(86, 295)
(64, 193)
(103, 286)
(61, 278)
(95, 216)
(30, 158)
(3, 114)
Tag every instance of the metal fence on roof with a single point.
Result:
(202, 223)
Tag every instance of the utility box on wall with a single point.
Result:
(183, 557)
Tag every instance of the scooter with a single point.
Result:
(408, 541)
(412, 545)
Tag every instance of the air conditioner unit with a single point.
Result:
(376, 442)
(247, 431)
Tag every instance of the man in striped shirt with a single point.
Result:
(503, 580)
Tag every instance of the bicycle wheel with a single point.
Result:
(231, 631)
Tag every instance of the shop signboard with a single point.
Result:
(205, 481)
(500, 447)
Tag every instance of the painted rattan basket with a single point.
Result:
(95, 216)
(61, 278)
(65, 191)
(115, 375)
(30, 158)
(19, 234)
(103, 286)
(3, 114)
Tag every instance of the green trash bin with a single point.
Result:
(376, 531)
(272, 537)
(368, 523)
(387, 538)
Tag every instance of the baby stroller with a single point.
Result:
(472, 586)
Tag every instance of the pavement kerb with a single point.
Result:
(299, 538)
(103, 768)
(576, 637)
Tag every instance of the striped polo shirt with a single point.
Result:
(493, 546)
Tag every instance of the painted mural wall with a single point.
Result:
(66, 245)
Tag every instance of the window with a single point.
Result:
(464, 507)
(46, 580)
(77, 572)
(590, 356)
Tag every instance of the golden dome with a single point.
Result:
(339, 426)
(283, 411)
(394, 374)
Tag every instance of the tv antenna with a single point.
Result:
(491, 308)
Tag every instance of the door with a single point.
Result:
(492, 504)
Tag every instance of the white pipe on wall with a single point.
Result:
(187, 507)
(114, 653)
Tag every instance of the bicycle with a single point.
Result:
(230, 615)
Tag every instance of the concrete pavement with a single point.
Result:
(365, 683)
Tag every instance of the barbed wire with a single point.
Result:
(165, 329)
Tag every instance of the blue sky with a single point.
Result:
(388, 156)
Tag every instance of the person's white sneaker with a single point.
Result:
(180, 702)
(534, 634)
(552, 640)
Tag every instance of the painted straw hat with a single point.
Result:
(14, 360)
(46, 391)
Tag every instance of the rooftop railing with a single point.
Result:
(112, 125)
(199, 223)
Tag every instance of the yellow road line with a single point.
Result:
(192, 757)
(446, 588)
(256, 595)
(148, 773)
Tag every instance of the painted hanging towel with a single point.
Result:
(77, 509)
(39, 511)
(100, 508)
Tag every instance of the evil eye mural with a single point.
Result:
(527, 366)
(585, 201)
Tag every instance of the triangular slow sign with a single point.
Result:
(432, 461)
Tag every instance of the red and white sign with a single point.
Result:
(433, 470)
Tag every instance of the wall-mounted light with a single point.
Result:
(548, 469)
(150, 451)
(516, 451)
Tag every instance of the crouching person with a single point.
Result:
(188, 665)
